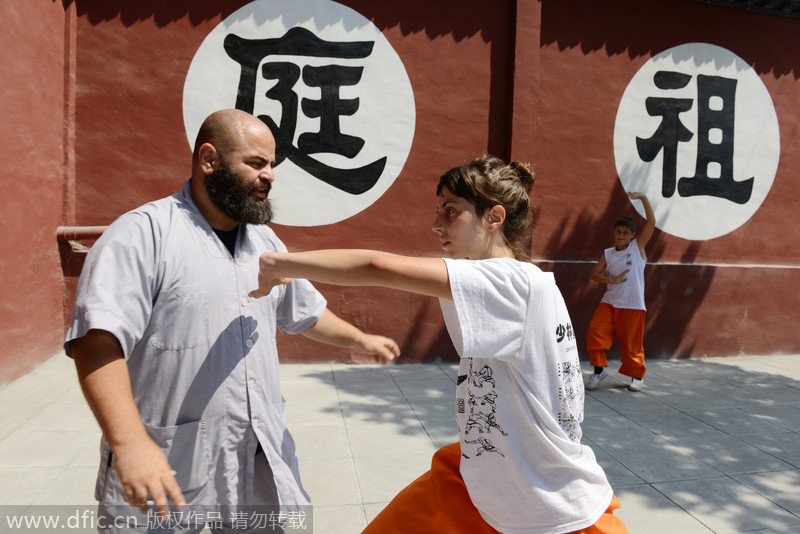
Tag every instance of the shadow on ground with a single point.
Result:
(709, 445)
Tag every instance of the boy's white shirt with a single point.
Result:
(629, 294)
(519, 400)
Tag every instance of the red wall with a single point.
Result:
(539, 80)
(32, 107)
(719, 297)
(132, 145)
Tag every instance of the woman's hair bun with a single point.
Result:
(524, 172)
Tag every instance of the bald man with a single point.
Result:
(178, 364)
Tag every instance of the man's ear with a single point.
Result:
(208, 158)
(495, 217)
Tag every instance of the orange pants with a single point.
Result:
(608, 522)
(628, 325)
(438, 503)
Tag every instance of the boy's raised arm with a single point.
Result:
(650, 223)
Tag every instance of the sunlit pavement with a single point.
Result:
(708, 446)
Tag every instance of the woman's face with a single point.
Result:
(462, 232)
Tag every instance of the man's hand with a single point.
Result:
(635, 195)
(381, 348)
(143, 470)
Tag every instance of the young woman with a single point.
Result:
(519, 466)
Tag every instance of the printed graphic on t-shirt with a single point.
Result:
(628, 264)
(484, 375)
(480, 406)
(570, 395)
(570, 389)
(484, 445)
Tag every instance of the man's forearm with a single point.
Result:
(141, 465)
(334, 330)
(105, 381)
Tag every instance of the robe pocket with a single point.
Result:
(179, 319)
(187, 451)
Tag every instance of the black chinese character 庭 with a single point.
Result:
(249, 53)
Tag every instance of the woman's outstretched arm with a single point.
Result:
(426, 276)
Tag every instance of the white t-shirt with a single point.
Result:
(630, 293)
(519, 400)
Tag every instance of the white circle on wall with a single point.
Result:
(696, 131)
(332, 89)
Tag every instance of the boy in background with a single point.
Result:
(621, 311)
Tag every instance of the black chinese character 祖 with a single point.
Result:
(671, 132)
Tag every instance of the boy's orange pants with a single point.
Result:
(628, 325)
(438, 503)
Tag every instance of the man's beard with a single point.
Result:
(234, 197)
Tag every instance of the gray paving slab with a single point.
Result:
(785, 446)
(732, 456)
(331, 481)
(619, 399)
(416, 374)
(337, 519)
(787, 417)
(672, 424)
(22, 485)
(318, 441)
(618, 475)
(731, 394)
(441, 390)
(735, 421)
(441, 431)
(725, 505)
(593, 409)
(779, 367)
(659, 460)
(383, 407)
(382, 477)
(777, 393)
(708, 446)
(395, 439)
(609, 428)
(779, 487)
(683, 398)
(792, 529)
(645, 510)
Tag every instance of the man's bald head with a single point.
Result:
(223, 130)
